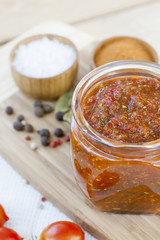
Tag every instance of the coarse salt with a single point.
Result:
(43, 58)
(33, 146)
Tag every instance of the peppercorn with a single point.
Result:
(59, 116)
(18, 126)
(45, 140)
(58, 142)
(47, 108)
(38, 103)
(9, 110)
(52, 144)
(43, 199)
(67, 138)
(44, 132)
(20, 118)
(27, 138)
(28, 128)
(59, 132)
(39, 112)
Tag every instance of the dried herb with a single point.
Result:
(64, 102)
(63, 106)
(67, 116)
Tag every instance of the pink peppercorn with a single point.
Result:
(67, 138)
(58, 142)
(27, 138)
(52, 144)
(43, 199)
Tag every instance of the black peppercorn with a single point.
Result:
(39, 112)
(45, 140)
(44, 132)
(9, 110)
(59, 116)
(28, 128)
(47, 108)
(20, 118)
(38, 103)
(59, 132)
(18, 126)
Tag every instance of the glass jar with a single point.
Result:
(115, 176)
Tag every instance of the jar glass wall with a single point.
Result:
(115, 176)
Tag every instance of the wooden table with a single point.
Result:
(101, 18)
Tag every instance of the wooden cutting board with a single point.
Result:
(50, 170)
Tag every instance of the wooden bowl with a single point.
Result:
(45, 88)
(99, 47)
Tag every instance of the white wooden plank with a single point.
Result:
(18, 16)
(142, 22)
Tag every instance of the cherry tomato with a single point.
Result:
(3, 216)
(8, 234)
(62, 230)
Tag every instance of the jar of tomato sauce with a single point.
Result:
(116, 137)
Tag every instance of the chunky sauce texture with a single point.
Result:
(125, 109)
(128, 110)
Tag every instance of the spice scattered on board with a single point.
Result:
(58, 142)
(63, 107)
(59, 116)
(9, 110)
(38, 103)
(52, 144)
(59, 132)
(41, 109)
(28, 128)
(21, 124)
(27, 138)
(38, 111)
(67, 138)
(33, 146)
(123, 48)
(24, 122)
(43, 58)
(44, 132)
(46, 138)
(20, 118)
(47, 108)
(18, 126)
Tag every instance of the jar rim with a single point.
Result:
(91, 77)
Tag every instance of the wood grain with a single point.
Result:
(140, 22)
(18, 16)
(50, 170)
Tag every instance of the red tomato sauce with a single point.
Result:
(126, 109)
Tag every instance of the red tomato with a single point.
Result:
(3, 216)
(62, 230)
(8, 234)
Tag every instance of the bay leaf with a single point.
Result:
(68, 116)
(63, 104)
